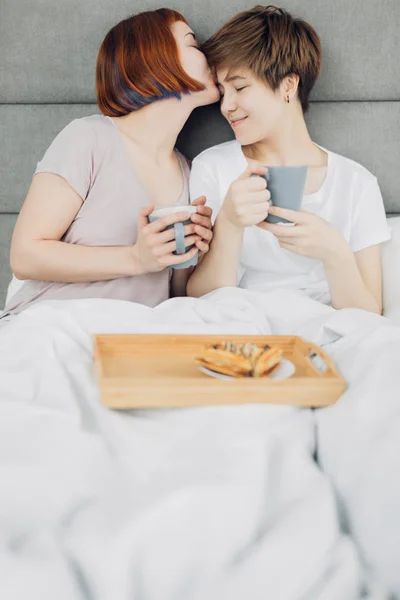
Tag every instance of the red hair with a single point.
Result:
(138, 63)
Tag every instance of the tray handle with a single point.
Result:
(319, 360)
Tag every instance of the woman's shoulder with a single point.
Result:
(87, 127)
(350, 170)
(76, 153)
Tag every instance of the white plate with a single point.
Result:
(284, 371)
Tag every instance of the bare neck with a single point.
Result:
(155, 128)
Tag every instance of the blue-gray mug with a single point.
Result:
(179, 232)
(286, 186)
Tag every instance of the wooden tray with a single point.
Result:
(159, 371)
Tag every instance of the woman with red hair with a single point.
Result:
(83, 230)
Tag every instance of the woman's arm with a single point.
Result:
(245, 204)
(48, 211)
(355, 279)
(36, 250)
(220, 265)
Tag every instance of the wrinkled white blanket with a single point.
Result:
(205, 503)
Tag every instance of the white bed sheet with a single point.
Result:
(221, 502)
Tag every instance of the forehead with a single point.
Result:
(181, 29)
(231, 74)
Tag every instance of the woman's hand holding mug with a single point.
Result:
(159, 240)
(247, 200)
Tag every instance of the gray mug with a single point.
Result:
(179, 232)
(286, 186)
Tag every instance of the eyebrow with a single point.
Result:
(190, 33)
(231, 78)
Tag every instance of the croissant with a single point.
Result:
(240, 360)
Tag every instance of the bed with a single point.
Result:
(224, 502)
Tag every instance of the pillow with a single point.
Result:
(391, 272)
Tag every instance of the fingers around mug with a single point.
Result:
(202, 246)
(170, 247)
(259, 212)
(202, 210)
(253, 199)
(284, 232)
(205, 221)
(177, 259)
(260, 215)
(200, 201)
(259, 196)
(291, 215)
(169, 234)
(257, 183)
(204, 232)
(180, 238)
(171, 219)
(260, 206)
(189, 229)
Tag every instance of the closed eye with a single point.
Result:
(191, 34)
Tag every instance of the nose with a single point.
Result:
(228, 104)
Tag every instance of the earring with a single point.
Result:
(287, 99)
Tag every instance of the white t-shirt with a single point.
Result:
(349, 198)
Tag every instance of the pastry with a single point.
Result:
(240, 360)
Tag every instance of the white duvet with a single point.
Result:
(247, 502)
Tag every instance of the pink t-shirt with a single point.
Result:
(90, 154)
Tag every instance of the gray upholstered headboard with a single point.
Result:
(47, 57)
